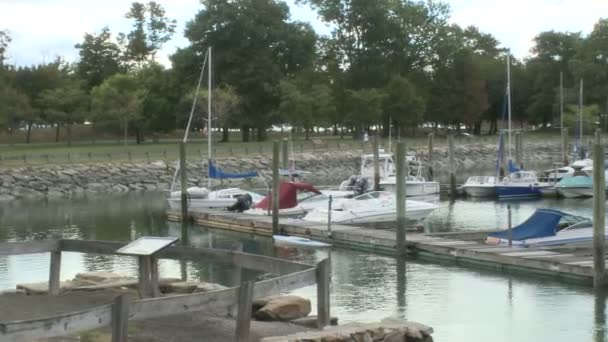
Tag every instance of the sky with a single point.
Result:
(44, 29)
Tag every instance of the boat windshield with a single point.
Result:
(574, 222)
(373, 195)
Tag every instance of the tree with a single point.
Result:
(151, 29)
(5, 40)
(118, 98)
(403, 104)
(365, 107)
(99, 58)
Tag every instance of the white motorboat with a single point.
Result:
(297, 198)
(296, 241)
(546, 227)
(203, 198)
(480, 186)
(581, 163)
(371, 207)
(558, 174)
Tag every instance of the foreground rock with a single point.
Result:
(386, 332)
(280, 308)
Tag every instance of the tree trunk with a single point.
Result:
(69, 132)
(261, 133)
(125, 126)
(137, 135)
(57, 132)
(245, 133)
(28, 136)
(225, 134)
(306, 133)
(335, 130)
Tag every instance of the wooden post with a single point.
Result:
(329, 202)
(564, 146)
(237, 273)
(144, 276)
(323, 273)
(184, 191)
(243, 318)
(285, 154)
(521, 150)
(451, 166)
(376, 164)
(55, 273)
(401, 195)
(431, 141)
(120, 319)
(509, 225)
(154, 289)
(599, 212)
(275, 187)
(517, 149)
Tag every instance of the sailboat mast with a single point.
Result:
(561, 100)
(580, 113)
(209, 136)
(509, 97)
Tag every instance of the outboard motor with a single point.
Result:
(361, 186)
(352, 181)
(242, 203)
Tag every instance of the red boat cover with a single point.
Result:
(288, 195)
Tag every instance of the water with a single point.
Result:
(461, 304)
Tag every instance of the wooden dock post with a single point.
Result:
(521, 150)
(401, 195)
(599, 212)
(55, 273)
(451, 166)
(285, 154)
(120, 319)
(243, 318)
(431, 141)
(184, 191)
(564, 146)
(376, 163)
(517, 149)
(275, 187)
(329, 202)
(144, 276)
(509, 225)
(323, 274)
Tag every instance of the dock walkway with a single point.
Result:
(462, 248)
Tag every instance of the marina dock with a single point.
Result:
(571, 264)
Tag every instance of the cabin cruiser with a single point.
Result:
(199, 197)
(480, 186)
(546, 227)
(371, 207)
(296, 199)
(520, 184)
(415, 183)
(580, 185)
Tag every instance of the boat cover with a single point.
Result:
(544, 222)
(288, 195)
(216, 172)
(576, 182)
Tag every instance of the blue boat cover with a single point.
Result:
(542, 223)
(216, 172)
(512, 167)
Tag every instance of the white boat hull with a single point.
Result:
(479, 190)
(414, 188)
(218, 199)
(572, 192)
(295, 241)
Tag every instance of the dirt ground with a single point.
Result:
(183, 328)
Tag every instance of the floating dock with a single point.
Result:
(571, 264)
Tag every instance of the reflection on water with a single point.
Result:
(461, 304)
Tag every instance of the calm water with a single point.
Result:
(461, 304)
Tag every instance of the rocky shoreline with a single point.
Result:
(328, 168)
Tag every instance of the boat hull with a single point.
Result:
(514, 192)
(414, 188)
(294, 241)
(479, 190)
(176, 203)
(575, 192)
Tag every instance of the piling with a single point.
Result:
(564, 146)
(451, 166)
(275, 187)
(401, 195)
(376, 164)
(184, 191)
(285, 154)
(599, 212)
(329, 203)
(517, 148)
(431, 141)
(509, 225)
(120, 319)
(323, 275)
(521, 150)
(243, 319)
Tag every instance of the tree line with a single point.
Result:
(386, 63)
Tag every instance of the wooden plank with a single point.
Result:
(28, 247)
(323, 274)
(528, 253)
(120, 319)
(285, 283)
(55, 273)
(60, 325)
(243, 318)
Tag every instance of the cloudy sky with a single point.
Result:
(43, 29)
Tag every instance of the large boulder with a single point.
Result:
(282, 308)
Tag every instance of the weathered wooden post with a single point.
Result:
(237, 273)
(329, 202)
(599, 212)
(521, 150)
(275, 187)
(509, 225)
(401, 194)
(154, 289)
(451, 166)
(243, 319)
(144, 276)
(323, 275)
(376, 163)
(184, 191)
(55, 273)
(517, 149)
(431, 142)
(285, 154)
(120, 319)
(564, 146)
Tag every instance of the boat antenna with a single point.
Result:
(209, 135)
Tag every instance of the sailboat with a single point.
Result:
(200, 197)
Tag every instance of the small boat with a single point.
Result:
(558, 174)
(546, 227)
(203, 198)
(371, 207)
(480, 186)
(576, 186)
(520, 184)
(296, 241)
